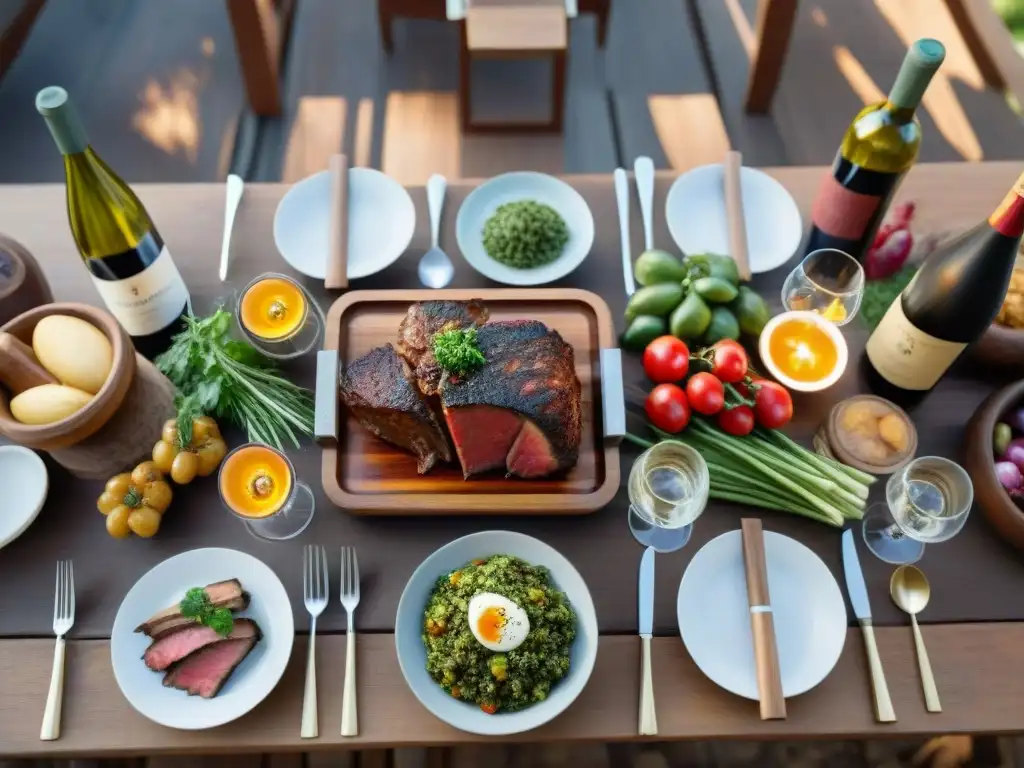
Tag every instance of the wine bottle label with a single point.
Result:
(907, 357)
(841, 212)
(148, 301)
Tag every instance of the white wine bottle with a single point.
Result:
(125, 255)
(952, 300)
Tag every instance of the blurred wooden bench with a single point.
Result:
(16, 19)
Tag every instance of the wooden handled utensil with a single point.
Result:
(734, 214)
(337, 256)
(766, 654)
(19, 369)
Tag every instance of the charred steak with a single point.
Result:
(175, 646)
(521, 410)
(204, 672)
(224, 594)
(417, 329)
(378, 390)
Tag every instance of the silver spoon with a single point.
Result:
(435, 268)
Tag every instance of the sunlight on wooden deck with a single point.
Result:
(421, 136)
(690, 129)
(317, 133)
(169, 116)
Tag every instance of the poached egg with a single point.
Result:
(497, 623)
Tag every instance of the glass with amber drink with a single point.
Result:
(279, 317)
(829, 282)
(258, 484)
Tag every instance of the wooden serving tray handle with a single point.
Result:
(613, 398)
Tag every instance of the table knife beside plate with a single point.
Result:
(858, 590)
(645, 605)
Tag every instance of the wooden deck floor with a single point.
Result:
(670, 84)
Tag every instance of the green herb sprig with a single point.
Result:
(196, 605)
(457, 351)
(232, 380)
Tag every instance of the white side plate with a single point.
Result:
(695, 211)
(381, 222)
(25, 482)
(714, 615)
(251, 681)
(483, 201)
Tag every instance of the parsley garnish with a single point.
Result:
(457, 351)
(196, 605)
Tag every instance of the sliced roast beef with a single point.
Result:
(529, 378)
(378, 390)
(177, 645)
(204, 672)
(224, 594)
(417, 329)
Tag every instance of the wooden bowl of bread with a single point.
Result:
(53, 382)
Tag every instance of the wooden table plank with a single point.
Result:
(971, 663)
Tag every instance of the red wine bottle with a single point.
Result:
(879, 147)
(954, 297)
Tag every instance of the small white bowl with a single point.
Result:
(483, 201)
(842, 352)
(412, 656)
(695, 212)
(25, 482)
(381, 222)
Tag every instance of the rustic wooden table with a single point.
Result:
(977, 611)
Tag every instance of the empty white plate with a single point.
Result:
(252, 680)
(807, 606)
(483, 201)
(381, 222)
(25, 482)
(695, 211)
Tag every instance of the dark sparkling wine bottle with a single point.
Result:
(954, 297)
(879, 147)
(125, 255)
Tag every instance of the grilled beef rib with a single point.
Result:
(379, 391)
(204, 672)
(422, 322)
(175, 646)
(224, 594)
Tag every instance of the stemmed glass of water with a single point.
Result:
(926, 502)
(668, 490)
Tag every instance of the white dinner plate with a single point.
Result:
(254, 678)
(807, 606)
(695, 211)
(381, 221)
(25, 482)
(482, 202)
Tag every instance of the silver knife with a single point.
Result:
(645, 603)
(858, 590)
(622, 201)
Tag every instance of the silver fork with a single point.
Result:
(349, 599)
(315, 591)
(63, 620)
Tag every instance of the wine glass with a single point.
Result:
(279, 317)
(827, 281)
(926, 502)
(668, 490)
(258, 484)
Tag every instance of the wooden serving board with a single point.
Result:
(365, 475)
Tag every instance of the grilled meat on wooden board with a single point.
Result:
(204, 672)
(224, 594)
(379, 391)
(177, 645)
(422, 322)
(521, 410)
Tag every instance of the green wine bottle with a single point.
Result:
(879, 147)
(125, 255)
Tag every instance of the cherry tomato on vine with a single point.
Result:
(772, 405)
(730, 361)
(667, 408)
(666, 359)
(738, 421)
(705, 393)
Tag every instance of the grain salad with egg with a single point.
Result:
(498, 633)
